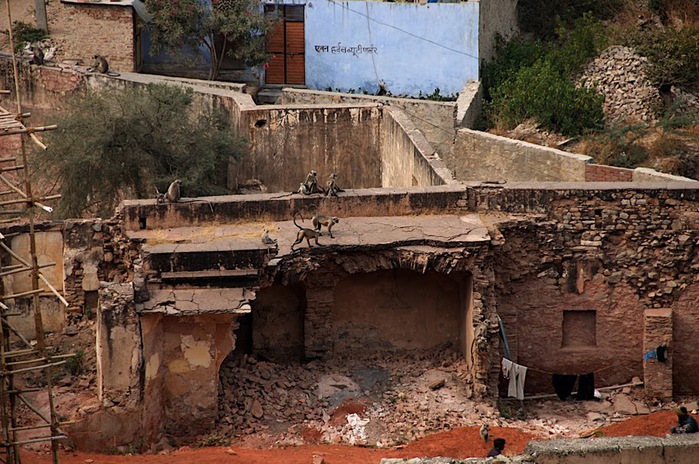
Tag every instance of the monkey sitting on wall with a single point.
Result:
(327, 221)
(310, 186)
(331, 187)
(305, 233)
(38, 54)
(101, 65)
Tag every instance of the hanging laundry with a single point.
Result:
(563, 385)
(521, 374)
(517, 375)
(661, 352)
(586, 387)
(652, 354)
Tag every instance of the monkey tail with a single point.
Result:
(294, 219)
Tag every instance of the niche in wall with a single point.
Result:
(579, 329)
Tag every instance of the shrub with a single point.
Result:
(23, 33)
(541, 17)
(124, 143)
(542, 92)
(673, 54)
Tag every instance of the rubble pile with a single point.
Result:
(389, 401)
(619, 74)
(404, 397)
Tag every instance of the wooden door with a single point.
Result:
(287, 46)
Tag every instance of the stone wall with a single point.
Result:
(406, 157)
(612, 253)
(469, 105)
(434, 119)
(483, 156)
(105, 29)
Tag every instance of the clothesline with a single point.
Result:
(553, 373)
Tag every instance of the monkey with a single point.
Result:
(310, 186)
(159, 197)
(101, 65)
(485, 432)
(327, 221)
(173, 194)
(331, 187)
(266, 239)
(383, 91)
(38, 53)
(305, 233)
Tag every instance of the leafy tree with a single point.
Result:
(123, 144)
(234, 28)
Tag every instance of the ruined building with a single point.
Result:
(585, 276)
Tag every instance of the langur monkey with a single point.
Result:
(327, 221)
(173, 194)
(310, 186)
(38, 53)
(305, 233)
(331, 187)
(266, 239)
(485, 432)
(101, 65)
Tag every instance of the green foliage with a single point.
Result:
(75, 364)
(531, 79)
(542, 92)
(655, 5)
(23, 33)
(437, 96)
(234, 28)
(541, 18)
(123, 143)
(673, 54)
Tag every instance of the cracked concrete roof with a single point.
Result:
(186, 302)
(447, 231)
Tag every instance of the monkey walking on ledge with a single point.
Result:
(305, 233)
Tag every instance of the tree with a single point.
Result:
(123, 144)
(234, 28)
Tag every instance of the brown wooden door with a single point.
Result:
(287, 46)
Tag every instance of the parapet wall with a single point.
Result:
(434, 119)
(407, 158)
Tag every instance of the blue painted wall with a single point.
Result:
(412, 47)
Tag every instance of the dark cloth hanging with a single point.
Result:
(563, 385)
(586, 387)
(660, 352)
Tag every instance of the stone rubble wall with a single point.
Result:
(619, 74)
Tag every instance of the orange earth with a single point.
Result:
(462, 442)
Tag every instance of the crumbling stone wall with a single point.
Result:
(615, 252)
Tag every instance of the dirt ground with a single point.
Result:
(461, 442)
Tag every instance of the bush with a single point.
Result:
(620, 146)
(673, 54)
(542, 92)
(23, 33)
(541, 18)
(511, 57)
(124, 143)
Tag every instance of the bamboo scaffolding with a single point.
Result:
(31, 359)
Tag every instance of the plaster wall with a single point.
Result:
(497, 18)
(407, 158)
(184, 354)
(411, 47)
(287, 142)
(395, 310)
(434, 119)
(483, 156)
